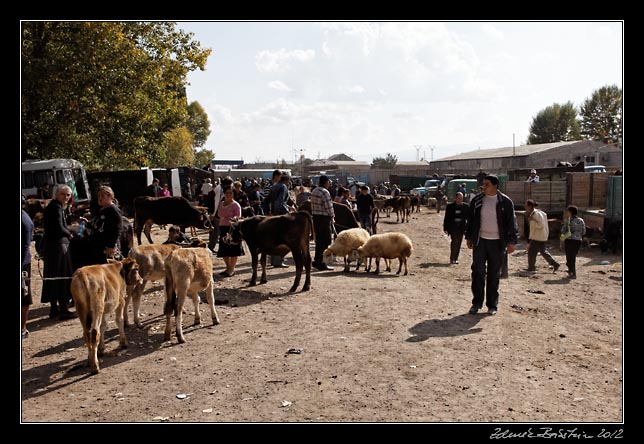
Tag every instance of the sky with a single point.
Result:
(277, 90)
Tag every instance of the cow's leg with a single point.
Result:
(120, 308)
(136, 303)
(93, 338)
(263, 279)
(210, 297)
(148, 229)
(195, 301)
(101, 343)
(138, 227)
(178, 319)
(307, 266)
(253, 278)
(170, 307)
(299, 263)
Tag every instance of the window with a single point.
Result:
(27, 179)
(60, 177)
(43, 177)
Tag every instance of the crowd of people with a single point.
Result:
(486, 219)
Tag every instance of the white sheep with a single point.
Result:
(387, 246)
(346, 242)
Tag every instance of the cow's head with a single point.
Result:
(130, 272)
(234, 236)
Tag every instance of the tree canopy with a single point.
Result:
(198, 124)
(387, 162)
(105, 93)
(555, 123)
(601, 114)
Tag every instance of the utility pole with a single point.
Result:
(418, 147)
(302, 162)
(432, 148)
(513, 148)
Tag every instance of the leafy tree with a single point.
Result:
(555, 123)
(105, 93)
(178, 148)
(198, 124)
(203, 157)
(388, 162)
(601, 114)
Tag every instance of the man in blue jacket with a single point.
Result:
(491, 229)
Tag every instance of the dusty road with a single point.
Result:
(373, 348)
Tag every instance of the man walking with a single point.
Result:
(456, 214)
(323, 217)
(491, 229)
(538, 236)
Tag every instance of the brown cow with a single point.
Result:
(187, 271)
(151, 260)
(98, 290)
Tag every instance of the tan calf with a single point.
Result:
(151, 260)
(98, 290)
(187, 271)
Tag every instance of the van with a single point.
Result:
(595, 169)
(36, 173)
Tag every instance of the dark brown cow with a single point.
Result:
(172, 210)
(401, 205)
(276, 235)
(345, 218)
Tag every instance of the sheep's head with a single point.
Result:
(357, 255)
(328, 256)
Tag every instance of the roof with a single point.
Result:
(339, 163)
(419, 163)
(521, 150)
(340, 156)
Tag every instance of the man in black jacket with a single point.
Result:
(456, 214)
(491, 229)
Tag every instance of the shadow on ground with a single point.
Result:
(440, 328)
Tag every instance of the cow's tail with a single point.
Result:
(171, 296)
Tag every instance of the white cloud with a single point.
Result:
(492, 31)
(413, 62)
(356, 89)
(281, 60)
(279, 85)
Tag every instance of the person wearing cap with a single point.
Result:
(323, 217)
(175, 236)
(533, 176)
(365, 205)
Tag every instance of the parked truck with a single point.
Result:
(36, 173)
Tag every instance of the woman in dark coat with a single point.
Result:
(106, 227)
(58, 262)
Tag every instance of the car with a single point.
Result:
(595, 169)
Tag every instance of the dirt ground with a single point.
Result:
(374, 348)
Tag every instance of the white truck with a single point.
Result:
(36, 173)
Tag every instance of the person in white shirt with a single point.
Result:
(533, 176)
(538, 236)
